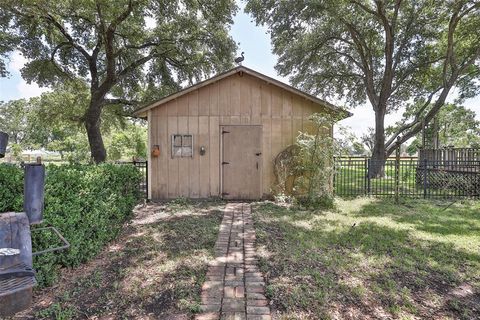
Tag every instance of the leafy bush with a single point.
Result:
(88, 204)
(315, 160)
(11, 188)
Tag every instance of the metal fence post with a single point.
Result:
(397, 170)
(146, 181)
(366, 177)
(424, 178)
(367, 174)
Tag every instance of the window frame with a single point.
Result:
(175, 147)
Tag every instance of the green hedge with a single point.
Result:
(88, 204)
(11, 188)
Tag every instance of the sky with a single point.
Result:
(254, 41)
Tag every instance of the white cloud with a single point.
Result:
(25, 90)
(17, 61)
(30, 90)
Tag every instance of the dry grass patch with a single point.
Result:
(154, 270)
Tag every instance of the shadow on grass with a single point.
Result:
(332, 268)
(153, 271)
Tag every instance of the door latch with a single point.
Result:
(224, 162)
(258, 154)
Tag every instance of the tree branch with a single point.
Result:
(416, 120)
(67, 36)
(119, 101)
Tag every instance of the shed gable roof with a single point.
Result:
(141, 112)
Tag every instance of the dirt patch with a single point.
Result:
(154, 270)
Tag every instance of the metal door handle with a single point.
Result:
(258, 154)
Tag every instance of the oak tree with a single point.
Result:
(391, 53)
(125, 51)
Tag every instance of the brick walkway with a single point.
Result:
(234, 288)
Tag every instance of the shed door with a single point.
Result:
(241, 162)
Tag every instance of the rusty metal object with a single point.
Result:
(16, 274)
(16, 292)
(34, 192)
(15, 234)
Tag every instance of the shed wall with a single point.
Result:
(235, 100)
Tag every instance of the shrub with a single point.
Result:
(311, 163)
(11, 188)
(88, 204)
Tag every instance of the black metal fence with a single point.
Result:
(143, 167)
(408, 177)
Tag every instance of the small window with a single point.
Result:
(182, 145)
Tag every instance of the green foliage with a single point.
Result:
(455, 126)
(53, 122)
(315, 160)
(87, 204)
(128, 142)
(11, 188)
(389, 53)
(122, 52)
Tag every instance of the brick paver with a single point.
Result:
(234, 287)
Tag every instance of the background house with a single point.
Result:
(219, 138)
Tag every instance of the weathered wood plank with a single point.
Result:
(183, 163)
(204, 160)
(173, 188)
(194, 162)
(214, 94)
(214, 150)
(193, 103)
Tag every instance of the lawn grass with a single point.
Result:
(154, 270)
(372, 259)
(351, 178)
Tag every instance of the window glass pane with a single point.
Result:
(177, 152)
(187, 141)
(186, 151)
(177, 140)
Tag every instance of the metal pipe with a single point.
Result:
(3, 143)
(66, 244)
(34, 192)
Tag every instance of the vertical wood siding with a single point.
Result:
(235, 100)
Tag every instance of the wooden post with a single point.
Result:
(397, 170)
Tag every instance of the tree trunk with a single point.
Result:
(377, 162)
(95, 139)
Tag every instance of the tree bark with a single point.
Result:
(377, 162)
(92, 125)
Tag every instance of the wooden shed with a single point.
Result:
(219, 137)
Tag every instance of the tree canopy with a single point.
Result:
(391, 53)
(125, 52)
(52, 122)
(454, 126)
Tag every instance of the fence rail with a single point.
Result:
(408, 177)
(450, 154)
